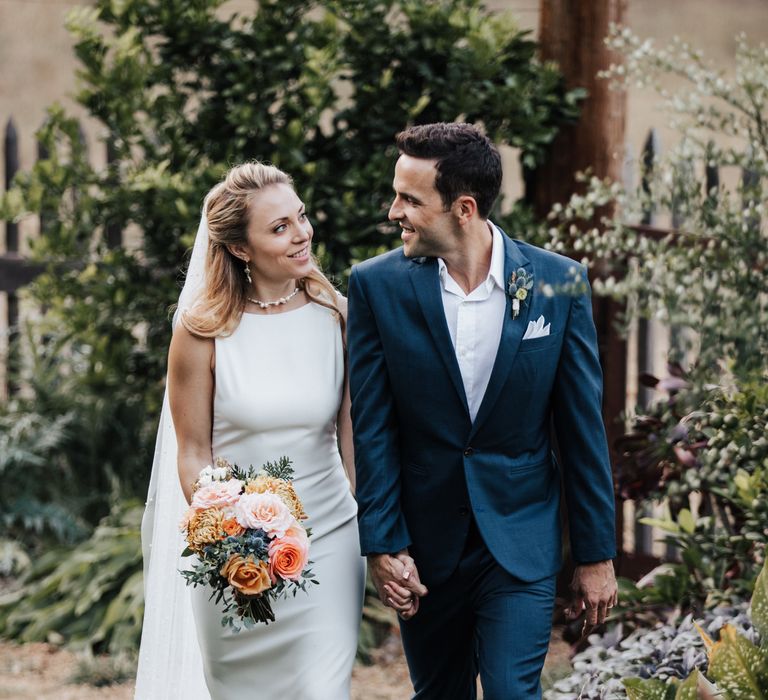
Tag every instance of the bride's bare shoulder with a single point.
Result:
(190, 352)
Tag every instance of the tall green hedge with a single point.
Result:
(183, 89)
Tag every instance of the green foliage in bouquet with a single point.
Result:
(90, 595)
(737, 668)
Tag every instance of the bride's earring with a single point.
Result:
(248, 273)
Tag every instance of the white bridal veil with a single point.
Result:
(170, 665)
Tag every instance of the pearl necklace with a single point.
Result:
(277, 302)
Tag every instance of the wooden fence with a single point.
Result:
(624, 359)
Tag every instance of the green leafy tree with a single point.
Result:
(182, 90)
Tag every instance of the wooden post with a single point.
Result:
(651, 149)
(11, 158)
(42, 154)
(572, 34)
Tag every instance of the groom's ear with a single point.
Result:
(464, 208)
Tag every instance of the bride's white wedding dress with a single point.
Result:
(279, 380)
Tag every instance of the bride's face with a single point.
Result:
(279, 235)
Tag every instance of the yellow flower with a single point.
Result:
(205, 527)
(521, 293)
(262, 484)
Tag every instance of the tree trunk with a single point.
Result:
(572, 34)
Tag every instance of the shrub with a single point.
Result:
(737, 663)
(90, 595)
(661, 653)
(706, 279)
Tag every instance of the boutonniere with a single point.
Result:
(519, 287)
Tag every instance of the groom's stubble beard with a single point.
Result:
(434, 243)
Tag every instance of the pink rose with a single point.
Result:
(265, 511)
(287, 557)
(217, 494)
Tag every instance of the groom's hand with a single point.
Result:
(397, 582)
(594, 588)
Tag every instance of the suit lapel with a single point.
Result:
(511, 334)
(426, 284)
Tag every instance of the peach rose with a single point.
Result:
(246, 575)
(264, 511)
(287, 557)
(217, 494)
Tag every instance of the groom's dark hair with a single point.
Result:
(467, 161)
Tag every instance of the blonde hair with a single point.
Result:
(219, 307)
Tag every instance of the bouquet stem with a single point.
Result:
(256, 607)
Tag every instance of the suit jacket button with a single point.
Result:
(463, 510)
(469, 452)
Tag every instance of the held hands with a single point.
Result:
(397, 582)
(594, 589)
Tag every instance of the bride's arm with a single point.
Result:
(344, 419)
(190, 393)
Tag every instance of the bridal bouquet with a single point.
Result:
(245, 528)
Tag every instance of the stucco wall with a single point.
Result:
(37, 66)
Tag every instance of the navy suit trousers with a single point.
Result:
(481, 620)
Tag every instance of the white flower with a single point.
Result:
(220, 473)
(206, 476)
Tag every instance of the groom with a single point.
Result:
(468, 352)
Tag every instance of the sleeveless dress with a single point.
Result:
(279, 381)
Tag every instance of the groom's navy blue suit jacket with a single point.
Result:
(423, 467)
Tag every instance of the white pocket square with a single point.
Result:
(536, 329)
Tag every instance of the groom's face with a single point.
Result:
(427, 228)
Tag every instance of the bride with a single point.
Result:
(255, 371)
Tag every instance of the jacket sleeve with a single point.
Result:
(374, 424)
(577, 402)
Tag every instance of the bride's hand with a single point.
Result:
(397, 582)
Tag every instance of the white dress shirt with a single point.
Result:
(475, 321)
